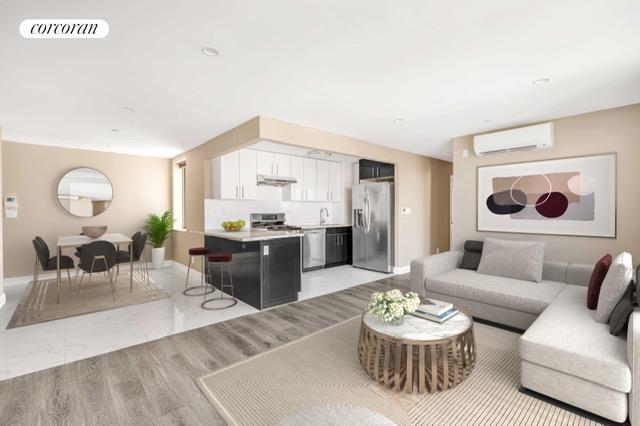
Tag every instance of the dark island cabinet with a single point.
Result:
(338, 246)
(281, 271)
(265, 273)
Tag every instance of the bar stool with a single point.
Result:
(221, 302)
(188, 291)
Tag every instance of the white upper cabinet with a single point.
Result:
(335, 181)
(234, 175)
(265, 163)
(322, 180)
(295, 191)
(309, 179)
(248, 181)
(282, 165)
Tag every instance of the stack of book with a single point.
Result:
(436, 310)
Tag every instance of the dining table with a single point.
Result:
(79, 240)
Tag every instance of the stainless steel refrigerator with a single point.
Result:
(372, 214)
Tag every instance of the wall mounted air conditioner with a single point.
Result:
(523, 138)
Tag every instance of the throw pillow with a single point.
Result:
(614, 285)
(599, 272)
(472, 254)
(522, 260)
(622, 311)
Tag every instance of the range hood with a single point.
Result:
(270, 180)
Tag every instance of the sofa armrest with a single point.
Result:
(633, 356)
(431, 266)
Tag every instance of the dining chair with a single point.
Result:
(45, 262)
(138, 242)
(98, 256)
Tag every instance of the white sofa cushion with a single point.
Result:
(519, 295)
(567, 338)
(521, 260)
(614, 285)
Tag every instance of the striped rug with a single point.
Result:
(39, 304)
(322, 372)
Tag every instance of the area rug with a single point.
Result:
(95, 296)
(321, 373)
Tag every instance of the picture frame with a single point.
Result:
(565, 196)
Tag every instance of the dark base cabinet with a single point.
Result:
(265, 273)
(338, 246)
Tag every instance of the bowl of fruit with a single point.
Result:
(233, 225)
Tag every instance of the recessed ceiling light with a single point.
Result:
(209, 51)
(107, 146)
(128, 109)
(488, 121)
(398, 120)
(541, 81)
(115, 130)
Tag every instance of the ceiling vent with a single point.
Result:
(538, 136)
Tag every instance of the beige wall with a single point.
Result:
(141, 185)
(419, 183)
(2, 296)
(614, 130)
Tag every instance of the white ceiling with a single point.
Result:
(349, 67)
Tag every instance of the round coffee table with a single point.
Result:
(418, 353)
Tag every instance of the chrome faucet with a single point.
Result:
(324, 215)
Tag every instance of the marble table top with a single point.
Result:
(414, 328)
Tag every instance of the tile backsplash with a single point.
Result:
(297, 212)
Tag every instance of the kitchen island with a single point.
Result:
(266, 266)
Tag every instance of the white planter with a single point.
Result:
(157, 257)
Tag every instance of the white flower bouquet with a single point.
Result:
(392, 306)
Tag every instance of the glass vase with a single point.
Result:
(397, 321)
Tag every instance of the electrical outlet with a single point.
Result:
(465, 153)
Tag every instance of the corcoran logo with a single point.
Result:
(64, 28)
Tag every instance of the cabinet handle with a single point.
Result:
(328, 196)
(272, 169)
(242, 191)
(236, 191)
(278, 169)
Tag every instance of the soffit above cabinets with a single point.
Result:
(300, 151)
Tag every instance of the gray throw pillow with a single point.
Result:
(521, 260)
(622, 311)
(472, 255)
(614, 285)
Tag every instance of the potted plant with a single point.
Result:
(158, 230)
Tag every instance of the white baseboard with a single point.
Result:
(3, 299)
(401, 269)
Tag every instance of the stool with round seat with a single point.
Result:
(202, 288)
(221, 302)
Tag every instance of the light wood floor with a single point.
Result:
(153, 383)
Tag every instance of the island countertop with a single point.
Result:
(252, 235)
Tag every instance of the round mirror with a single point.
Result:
(85, 192)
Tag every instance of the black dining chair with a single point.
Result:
(98, 256)
(138, 242)
(45, 262)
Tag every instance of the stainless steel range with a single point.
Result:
(272, 222)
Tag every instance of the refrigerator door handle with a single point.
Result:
(367, 213)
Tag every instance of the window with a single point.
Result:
(180, 195)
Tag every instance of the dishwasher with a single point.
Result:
(313, 249)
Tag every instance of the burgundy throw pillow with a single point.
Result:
(599, 272)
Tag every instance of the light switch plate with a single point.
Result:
(406, 210)
(465, 153)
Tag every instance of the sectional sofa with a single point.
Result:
(564, 352)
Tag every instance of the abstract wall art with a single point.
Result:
(568, 196)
